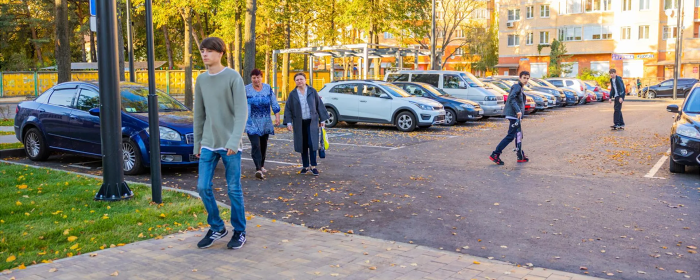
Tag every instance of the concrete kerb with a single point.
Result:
(468, 259)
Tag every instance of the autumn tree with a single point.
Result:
(63, 57)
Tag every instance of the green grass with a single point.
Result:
(48, 215)
(7, 122)
(7, 146)
(7, 133)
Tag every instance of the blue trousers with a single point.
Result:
(207, 164)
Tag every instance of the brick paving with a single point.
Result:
(278, 250)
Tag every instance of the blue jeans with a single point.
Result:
(207, 164)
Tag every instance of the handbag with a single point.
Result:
(324, 144)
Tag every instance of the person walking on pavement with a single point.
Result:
(259, 126)
(220, 114)
(304, 114)
(617, 95)
(639, 87)
(515, 106)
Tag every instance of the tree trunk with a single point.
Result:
(306, 44)
(251, 7)
(38, 58)
(229, 55)
(268, 53)
(120, 37)
(237, 42)
(168, 49)
(285, 61)
(63, 60)
(187, 18)
(93, 48)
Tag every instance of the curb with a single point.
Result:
(12, 153)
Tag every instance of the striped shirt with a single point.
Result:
(305, 111)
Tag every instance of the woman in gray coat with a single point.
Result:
(304, 114)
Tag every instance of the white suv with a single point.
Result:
(378, 102)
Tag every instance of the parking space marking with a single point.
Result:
(657, 166)
(422, 134)
(278, 162)
(355, 145)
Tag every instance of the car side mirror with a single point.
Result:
(672, 108)
(462, 85)
(94, 112)
(384, 95)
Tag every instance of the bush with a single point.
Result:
(602, 78)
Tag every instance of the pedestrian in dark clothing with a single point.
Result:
(515, 106)
(259, 126)
(304, 114)
(617, 95)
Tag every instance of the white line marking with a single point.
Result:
(278, 162)
(656, 167)
(397, 132)
(342, 144)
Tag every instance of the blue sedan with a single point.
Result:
(65, 118)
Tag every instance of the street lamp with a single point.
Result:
(679, 42)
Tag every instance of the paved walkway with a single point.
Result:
(8, 138)
(277, 250)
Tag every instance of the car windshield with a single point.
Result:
(433, 90)
(135, 100)
(589, 85)
(692, 104)
(395, 90)
(473, 81)
(544, 83)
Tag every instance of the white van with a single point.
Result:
(456, 83)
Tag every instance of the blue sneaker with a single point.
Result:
(237, 240)
(304, 171)
(314, 171)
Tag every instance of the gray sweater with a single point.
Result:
(220, 110)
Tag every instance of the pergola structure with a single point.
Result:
(364, 51)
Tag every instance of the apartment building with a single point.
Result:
(636, 37)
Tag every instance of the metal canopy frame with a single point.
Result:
(364, 51)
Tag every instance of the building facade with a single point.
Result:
(635, 37)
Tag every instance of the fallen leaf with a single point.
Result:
(641, 272)
(476, 262)
(53, 269)
(72, 238)
(75, 246)
(372, 268)
(194, 270)
(680, 271)
(496, 204)
(21, 266)
(11, 258)
(162, 215)
(115, 273)
(583, 268)
(92, 255)
(334, 274)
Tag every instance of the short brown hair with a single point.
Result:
(299, 74)
(256, 72)
(213, 43)
(612, 71)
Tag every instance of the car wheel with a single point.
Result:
(332, 117)
(675, 167)
(651, 94)
(133, 163)
(406, 122)
(35, 145)
(450, 117)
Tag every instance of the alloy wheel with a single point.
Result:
(129, 156)
(32, 144)
(405, 122)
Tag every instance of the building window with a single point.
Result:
(544, 37)
(643, 5)
(439, 15)
(544, 11)
(597, 32)
(669, 32)
(530, 38)
(459, 33)
(670, 4)
(598, 5)
(626, 5)
(625, 33)
(530, 12)
(459, 52)
(697, 3)
(573, 6)
(643, 32)
(696, 30)
(571, 33)
(440, 32)
(514, 15)
(388, 35)
(513, 40)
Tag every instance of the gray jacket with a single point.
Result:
(293, 115)
(516, 101)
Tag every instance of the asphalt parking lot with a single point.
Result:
(590, 197)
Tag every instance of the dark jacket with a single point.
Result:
(620, 87)
(516, 101)
(292, 114)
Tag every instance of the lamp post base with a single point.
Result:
(114, 193)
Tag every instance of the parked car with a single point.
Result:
(541, 102)
(571, 96)
(685, 132)
(665, 88)
(549, 99)
(456, 110)
(559, 98)
(596, 90)
(66, 118)
(572, 84)
(458, 84)
(379, 102)
(530, 105)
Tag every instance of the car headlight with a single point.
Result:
(167, 134)
(687, 130)
(490, 98)
(422, 106)
(467, 106)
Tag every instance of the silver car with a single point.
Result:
(573, 84)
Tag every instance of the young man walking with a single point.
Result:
(220, 115)
(617, 95)
(515, 106)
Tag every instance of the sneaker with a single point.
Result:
(211, 236)
(314, 171)
(496, 158)
(304, 171)
(237, 240)
(259, 175)
(522, 157)
(263, 169)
